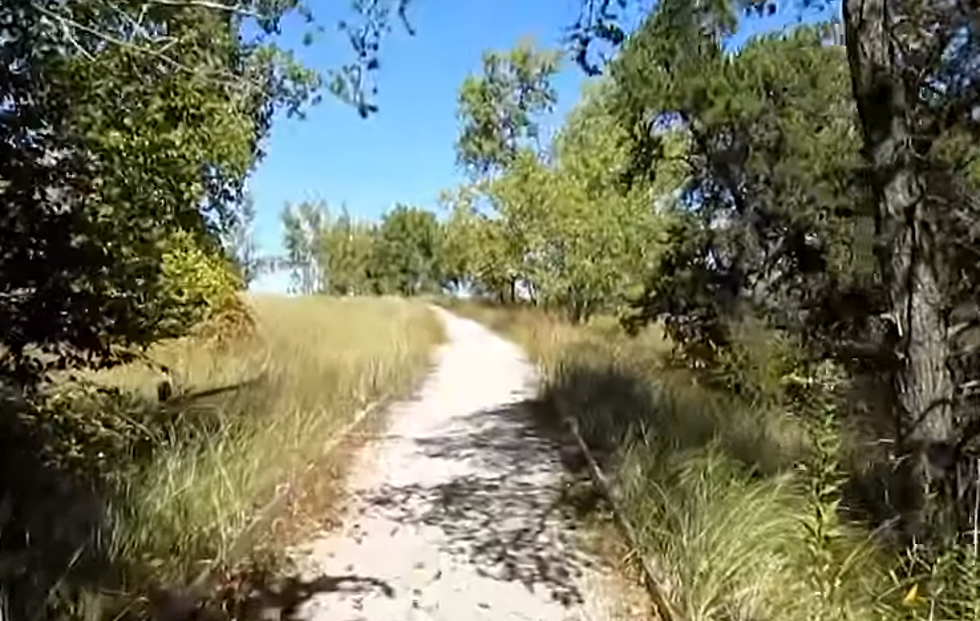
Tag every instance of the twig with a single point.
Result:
(651, 579)
(233, 81)
(206, 4)
(107, 38)
(136, 23)
(66, 31)
(282, 493)
(976, 513)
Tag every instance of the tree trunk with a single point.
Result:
(906, 254)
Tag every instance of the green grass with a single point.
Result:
(707, 481)
(184, 485)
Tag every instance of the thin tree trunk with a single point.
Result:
(906, 253)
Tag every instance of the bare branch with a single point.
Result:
(66, 31)
(236, 9)
(230, 80)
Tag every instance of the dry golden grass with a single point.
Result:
(251, 420)
(707, 481)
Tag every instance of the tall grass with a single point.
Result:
(315, 364)
(248, 422)
(709, 483)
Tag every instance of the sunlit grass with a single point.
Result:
(252, 418)
(707, 482)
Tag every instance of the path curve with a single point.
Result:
(454, 511)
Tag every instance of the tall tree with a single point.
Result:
(303, 230)
(498, 109)
(613, 234)
(477, 255)
(914, 70)
(240, 243)
(345, 254)
(407, 252)
(913, 73)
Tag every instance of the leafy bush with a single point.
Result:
(197, 283)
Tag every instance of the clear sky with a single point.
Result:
(404, 153)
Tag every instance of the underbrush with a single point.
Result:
(148, 494)
(734, 499)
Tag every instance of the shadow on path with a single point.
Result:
(500, 504)
(257, 597)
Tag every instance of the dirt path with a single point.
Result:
(454, 512)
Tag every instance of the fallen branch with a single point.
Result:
(282, 494)
(178, 604)
(651, 578)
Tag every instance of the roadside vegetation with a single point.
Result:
(748, 273)
(150, 412)
(233, 465)
(712, 485)
(707, 263)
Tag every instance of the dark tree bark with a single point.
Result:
(906, 252)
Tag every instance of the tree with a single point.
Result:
(768, 208)
(907, 100)
(498, 109)
(303, 231)
(239, 242)
(561, 228)
(912, 71)
(92, 197)
(406, 255)
(476, 252)
(613, 235)
(461, 239)
(345, 255)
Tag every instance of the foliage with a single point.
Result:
(475, 249)
(196, 283)
(407, 252)
(302, 238)
(556, 227)
(338, 255)
(821, 219)
(949, 581)
(123, 123)
(127, 130)
(497, 109)
(768, 226)
(819, 393)
(240, 244)
(821, 206)
(345, 255)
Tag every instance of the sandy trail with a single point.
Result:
(453, 512)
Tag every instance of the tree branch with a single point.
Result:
(236, 9)
(68, 24)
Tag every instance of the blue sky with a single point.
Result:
(404, 153)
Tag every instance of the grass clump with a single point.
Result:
(185, 485)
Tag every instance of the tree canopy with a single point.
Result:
(124, 125)
(911, 70)
(498, 109)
